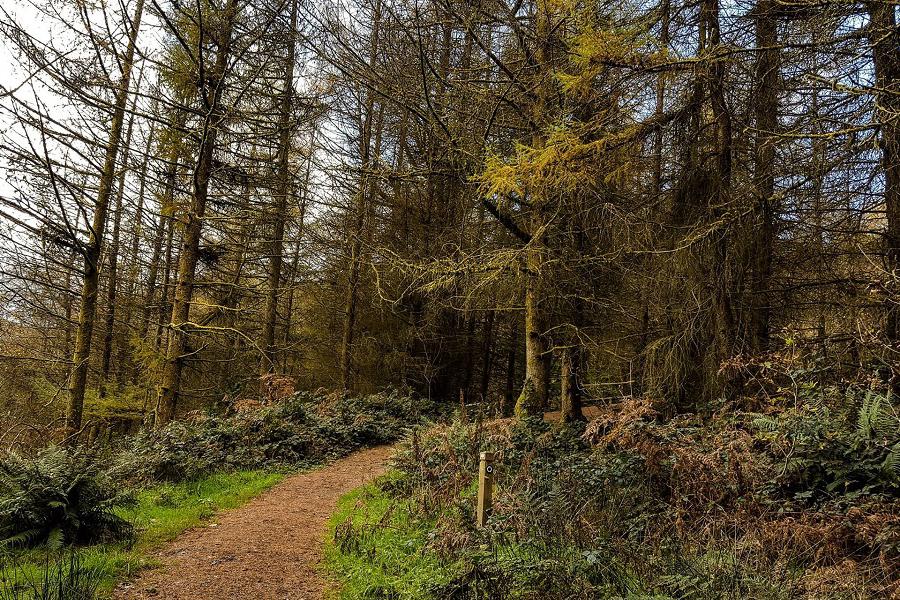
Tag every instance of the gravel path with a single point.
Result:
(268, 549)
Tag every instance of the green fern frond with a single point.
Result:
(765, 423)
(56, 539)
(22, 538)
(877, 418)
(892, 461)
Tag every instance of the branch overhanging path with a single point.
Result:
(269, 549)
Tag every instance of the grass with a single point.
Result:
(380, 548)
(164, 511)
(161, 513)
(375, 549)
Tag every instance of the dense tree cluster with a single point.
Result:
(506, 203)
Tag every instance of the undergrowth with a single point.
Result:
(791, 499)
(298, 431)
(59, 497)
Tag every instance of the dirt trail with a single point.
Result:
(269, 549)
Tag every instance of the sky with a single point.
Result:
(12, 75)
(48, 29)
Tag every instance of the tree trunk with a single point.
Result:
(301, 220)
(571, 371)
(572, 359)
(94, 248)
(639, 365)
(487, 353)
(161, 339)
(533, 399)
(268, 363)
(134, 269)
(187, 263)
(152, 276)
(112, 278)
(68, 305)
(351, 300)
(362, 208)
(231, 300)
(509, 399)
(885, 43)
(287, 361)
(725, 326)
(467, 326)
(766, 109)
(164, 232)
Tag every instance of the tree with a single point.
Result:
(211, 90)
(94, 247)
(884, 40)
(268, 362)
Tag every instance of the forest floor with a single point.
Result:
(268, 549)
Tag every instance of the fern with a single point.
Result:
(56, 539)
(877, 418)
(891, 463)
(22, 538)
(58, 498)
(879, 424)
(766, 424)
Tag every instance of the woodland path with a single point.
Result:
(268, 549)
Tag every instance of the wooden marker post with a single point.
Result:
(485, 487)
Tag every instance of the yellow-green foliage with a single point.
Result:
(594, 49)
(577, 150)
(126, 402)
(571, 158)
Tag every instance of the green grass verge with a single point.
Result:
(374, 549)
(161, 513)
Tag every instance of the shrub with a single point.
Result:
(59, 497)
(303, 429)
(827, 455)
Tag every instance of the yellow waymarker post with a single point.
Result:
(485, 487)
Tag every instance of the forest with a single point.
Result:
(284, 285)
